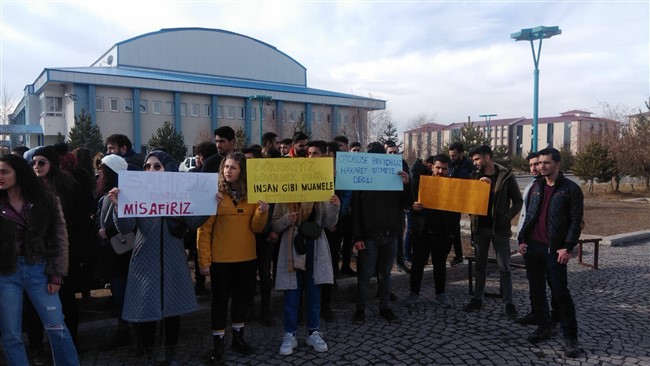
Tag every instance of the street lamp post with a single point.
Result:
(488, 117)
(260, 99)
(529, 34)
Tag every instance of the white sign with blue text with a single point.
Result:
(368, 172)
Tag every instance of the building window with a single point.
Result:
(52, 106)
(157, 107)
(253, 114)
(183, 109)
(143, 106)
(346, 119)
(321, 117)
(219, 111)
(241, 113)
(128, 105)
(195, 109)
(230, 112)
(292, 116)
(114, 105)
(207, 110)
(328, 119)
(99, 104)
(169, 108)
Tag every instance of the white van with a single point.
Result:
(187, 164)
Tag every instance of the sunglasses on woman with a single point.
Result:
(155, 166)
(40, 163)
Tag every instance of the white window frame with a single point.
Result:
(183, 109)
(128, 105)
(144, 106)
(195, 109)
(99, 104)
(219, 111)
(156, 107)
(169, 108)
(292, 116)
(52, 106)
(230, 110)
(207, 110)
(253, 114)
(114, 105)
(241, 113)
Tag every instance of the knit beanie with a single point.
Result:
(50, 153)
(115, 162)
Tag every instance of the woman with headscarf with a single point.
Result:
(33, 259)
(159, 285)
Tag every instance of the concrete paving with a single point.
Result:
(612, 303)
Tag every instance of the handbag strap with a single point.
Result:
(110, 207)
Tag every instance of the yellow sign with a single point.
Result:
(453, 194)
(284, 180)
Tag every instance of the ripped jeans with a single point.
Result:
(31, 278)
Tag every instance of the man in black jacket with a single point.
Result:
(550, 232)
(377, 218)
(460, 167)
(432, 231)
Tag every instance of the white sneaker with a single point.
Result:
(289, 342)
(316, 340)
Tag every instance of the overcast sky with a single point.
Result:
(448, 60)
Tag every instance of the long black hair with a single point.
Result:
(32, 188)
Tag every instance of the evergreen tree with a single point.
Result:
(500, 156)
(390, 133)
(84, 134)
(241, 139)
(567, 159)
(470, 136)
(166, 137)
(594, 164)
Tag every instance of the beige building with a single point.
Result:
(572, 129)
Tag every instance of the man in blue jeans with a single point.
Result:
(504, 204)
(550, 232)
(377, 218)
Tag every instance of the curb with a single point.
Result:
(627, 238)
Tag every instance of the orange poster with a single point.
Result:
(453, 194)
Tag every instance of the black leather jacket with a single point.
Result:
(565, 213)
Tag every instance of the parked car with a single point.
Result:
(187, 164)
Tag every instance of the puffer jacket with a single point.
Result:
(565, 213)
(506, 204)
(46, 239)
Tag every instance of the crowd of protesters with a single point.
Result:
(58, 214)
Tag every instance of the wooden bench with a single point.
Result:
(491, 260)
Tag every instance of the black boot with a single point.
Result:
(170, 356)
(267, 317)
(239, 344)
(216, 358)
(150, 356)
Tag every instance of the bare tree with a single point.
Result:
(7, 105)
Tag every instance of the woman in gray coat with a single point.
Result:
(159, 285)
